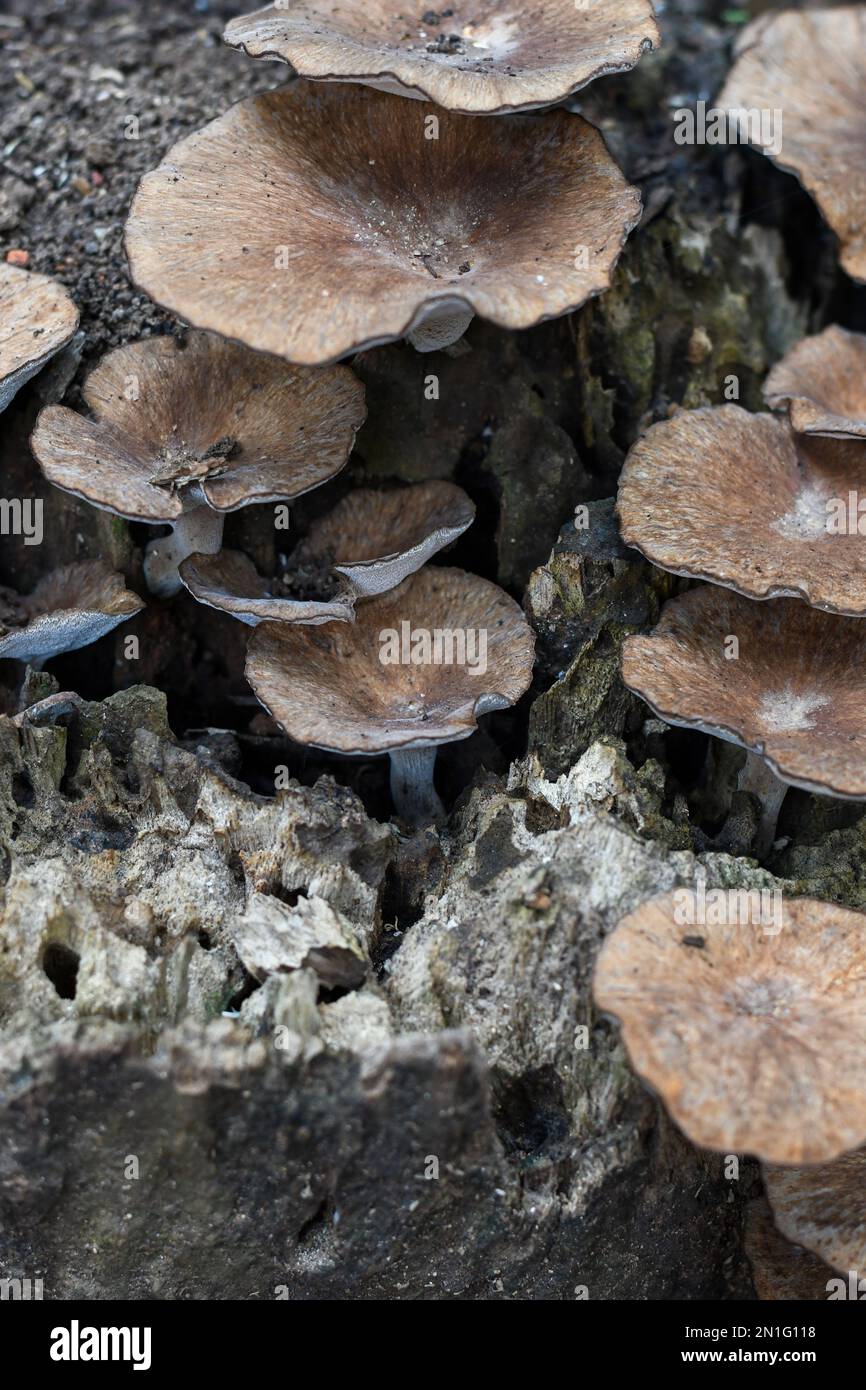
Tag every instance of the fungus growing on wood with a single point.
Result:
(377, 538)
(744, 501)
(329, 206)
(37, 320)
(416, 669)
(823, 1208)
(69, 608)
(807, 69)
(822, 384)
(272, 937)
(782, 680)
(503, 57)
(754, 1040)
(185, 431)
(230, 581)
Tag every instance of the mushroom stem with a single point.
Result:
(759, 779)
(196, 532)
(412, 787)
(440, 327)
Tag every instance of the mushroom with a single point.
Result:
(377, 538)
(69, 608)
(742, 500)
(755, 1042)
(315, 221)
(37, 320)
(823, 1208)
(822, 384)
(810, 67)
(416, 669)
(230, 581)
(791, 690)
(507, 57)
(188, 430)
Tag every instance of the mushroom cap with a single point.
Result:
(756, 1043)
(811, 66)
(37, 319)
(230, 581)
(330, 688)
(69, 608)
(796, 694)
(822, 384)
(823, 1208)
(162, 405)
(508, 57)
(314, 221)
(780, 1271)
(377, 538)
(743, 501)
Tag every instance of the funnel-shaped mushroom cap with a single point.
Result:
(377, 539)
(230, 581)
(356, 689)
(808, 68)
(822, 383)
(755, 1042)
(823, 1208)
(743, 501)
(793, 689)
(505, 55)
(69, 608)
(314, 221)
(37, 319)
(199, 419)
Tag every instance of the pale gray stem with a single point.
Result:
(442, 326)
(759, 779)
(196, 532)
(412, 787)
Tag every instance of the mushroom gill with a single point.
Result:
(823, 1208)
(69, 608)
(357, 222)
(377, 538)
(502, 56)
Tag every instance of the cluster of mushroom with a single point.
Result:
(312, 222)
(765, 507)
(752, 1028)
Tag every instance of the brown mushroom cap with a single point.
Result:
(756, 1043)
(743, 501)
(330, 689)
(230, 581)
(37, 319)
(796, 694)
(823, 1208)
(377, 538)
(377, 227)
(811, 66)
(780, 1271)
(254, 428)
(69, 608)
(822, 383)
(498, 57)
